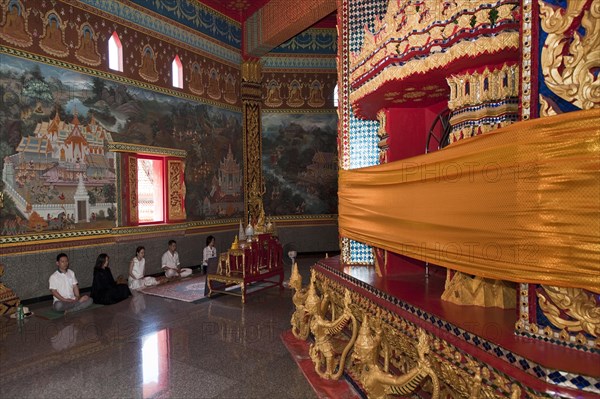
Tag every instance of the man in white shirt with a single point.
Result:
(64, 288)
(170, 262)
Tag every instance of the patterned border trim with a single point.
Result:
(556, 377)
(312, 41)
(114, 78)
(146, 149)
(157, 26)
(526, 59)
(30, 239)
(298, 111)
(327, 62)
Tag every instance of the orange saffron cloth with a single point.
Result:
(521, 203)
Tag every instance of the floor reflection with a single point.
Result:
(155, 363)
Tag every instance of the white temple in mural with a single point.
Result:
(55, 165)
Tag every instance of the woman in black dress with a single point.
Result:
(104, 288)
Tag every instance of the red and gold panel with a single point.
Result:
(175, 190)
(131, 190)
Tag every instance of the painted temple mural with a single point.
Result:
(57, 173)
(300, 163)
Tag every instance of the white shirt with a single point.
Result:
(170, 260)
(63, 283)
(209, 252)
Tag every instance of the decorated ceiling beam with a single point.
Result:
(279, 21)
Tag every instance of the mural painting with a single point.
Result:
(300, 163)
(56, 126)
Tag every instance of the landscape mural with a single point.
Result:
(56, 125)
(300, 163)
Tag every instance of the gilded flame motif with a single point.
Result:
(330, 349)
(378, 382)
(581, 308)
(568, 57)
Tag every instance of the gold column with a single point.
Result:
(251, 91)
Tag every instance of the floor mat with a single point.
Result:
(51, 314)
(187, 289)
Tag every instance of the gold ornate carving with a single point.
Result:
(477, 88)
(383, 137)
(300, 320)
(569, 58)
(329, 349)
(132, 176)
(378, 382)
(252, 71)
(176, 190)
(386, 334)
(581, 308)
(546, 107)
(526, 40)
(463, 289)
(8, 299)
(146, 149)
(502, 41)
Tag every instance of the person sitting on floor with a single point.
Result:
(170, 262)
(209, 252)
(64, 288)
(105, 290)
(136, 271)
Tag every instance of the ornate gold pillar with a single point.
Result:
(251, 104)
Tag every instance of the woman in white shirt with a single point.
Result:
(209, 252)
(136, 271)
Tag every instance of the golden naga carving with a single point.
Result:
(329, 348)
(569, 58)
(573, 302)
(378, 382)
(300, 318)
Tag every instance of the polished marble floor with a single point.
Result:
(152, 347)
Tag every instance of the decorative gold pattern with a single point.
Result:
(581, 308)
(526, 60)
(477, 88)
(383, 137)
(133, 189)
(404, 348)
(463, 289)
(8, 299)
(502, 41)
(408, 24)
(326, 350)
(146, 149)
(300, 320)
(569, 58)
(176, 190)
(379, 383)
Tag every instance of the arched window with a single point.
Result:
(177, 72)
(336, 96)
(115, 53)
